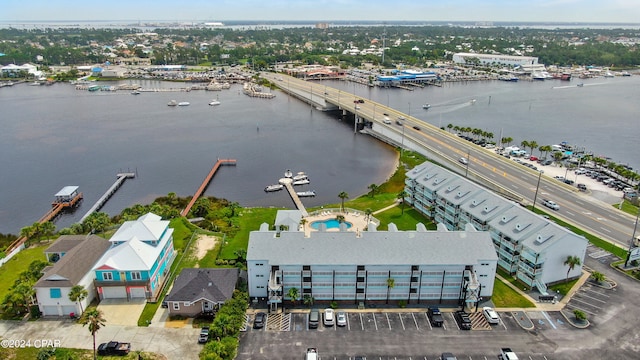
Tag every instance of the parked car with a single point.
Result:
(311, 354)
(448, 356)
(435, 317)
(341, 318)
(533, 158)
(582, 187)
(463, 320)
(204, 335)
(328, 317)
(567, 181)
(314, 318)
(258, 320)
(491, 315)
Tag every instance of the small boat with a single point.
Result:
(300, 176)
(94, 88)
(625, 73)
(608, 74)
(511, 78)
(288, 173)
(272, 188)
(135, 92)
(214, 103)
(306, 193)
(426, 106)
(172, 103)
(580, 85)
(183, 103)
(301, 182)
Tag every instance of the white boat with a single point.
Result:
(301, 182)
(272, 188)
(135, 92)
(426, 106)
(300, 176)
(306, 193)
(183, 103)
(214, 103)
(172, 103)
(608, 74)
(536, 75)
(288, 173)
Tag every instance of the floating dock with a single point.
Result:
(288, 184)
(206, 182)
(120, 178)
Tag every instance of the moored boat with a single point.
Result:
(511, 78)
(300, 176)
(135, 92)
(426, 106)
(272, 188)
(183, 103)
(306, 193)
(301, 182)
(172, 103)
(288, 174)
(214, 103)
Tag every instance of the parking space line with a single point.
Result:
(361, 322)
(348, 322)
(375, 322)
(595, 292)
(586, 303)
(581, 309)
(544, 313)
(415, 321)
(592, 298)
(428, 321)
(388, 321)
(401, 321)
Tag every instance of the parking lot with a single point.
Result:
(380, 322)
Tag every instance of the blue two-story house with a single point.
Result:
(138, 261)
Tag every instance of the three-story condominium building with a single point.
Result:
(527, 245)
(415, 267)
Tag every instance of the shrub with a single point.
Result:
(580, 315)
(402, 304)
(334, 305)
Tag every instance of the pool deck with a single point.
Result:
(358, 220)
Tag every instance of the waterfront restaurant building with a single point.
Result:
(368, 267)
(527, 245)
(495, 59)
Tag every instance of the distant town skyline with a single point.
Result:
(561, 11)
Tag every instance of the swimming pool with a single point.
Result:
(330, 224)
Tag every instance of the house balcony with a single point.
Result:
(107, 283)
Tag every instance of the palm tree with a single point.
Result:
(391, 283)
(373, 188)
(77, 294)
(598, 277)
(572, 262)
(506, 140)
(524, 144)
(308, 300)
(293, 294)
(557, 156)
(368, 213)
(533, 145)
(95, 320)
(544, 149)
(343, 195)
(449, 126)
(340, 219)
(400, 197)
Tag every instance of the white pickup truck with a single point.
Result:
(507, 354)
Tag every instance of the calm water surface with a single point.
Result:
(56, 136)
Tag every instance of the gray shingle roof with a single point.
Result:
(73, 266)
(65, 243)
(215, 285)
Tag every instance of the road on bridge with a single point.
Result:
(484, 166)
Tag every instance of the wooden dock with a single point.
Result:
(120, 178)
(296, 199)
(56, 208)
(206, 182)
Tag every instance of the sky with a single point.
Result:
(565, 11)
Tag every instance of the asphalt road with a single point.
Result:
(599, 219)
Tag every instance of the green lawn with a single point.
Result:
(10, 271)
(250, 219)
(504, 296)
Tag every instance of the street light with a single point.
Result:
(535, 197)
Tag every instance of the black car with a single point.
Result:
(258, 320)
(463, 320)
(582, 187)
(435, 317)
(416, 127)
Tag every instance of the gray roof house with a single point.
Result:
(62, 246)
(74, 268)
(198, 291)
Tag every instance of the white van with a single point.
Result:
(312, 354)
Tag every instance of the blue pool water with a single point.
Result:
(330, 223)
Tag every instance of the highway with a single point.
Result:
(485, 166)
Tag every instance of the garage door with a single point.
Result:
(50, 310)
(137, 293)
(115, 292)
(66, 310)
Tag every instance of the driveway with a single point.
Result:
(122, 311)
